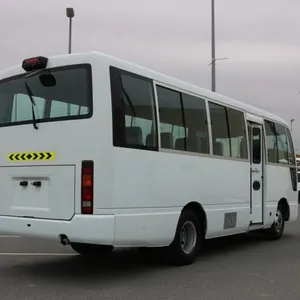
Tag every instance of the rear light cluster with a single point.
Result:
(87, 187)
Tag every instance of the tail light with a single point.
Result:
(87, 187)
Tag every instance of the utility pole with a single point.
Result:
(213, 48)
(292, 120)
(70, 14)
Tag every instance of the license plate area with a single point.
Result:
(46, 192)
(31, 193)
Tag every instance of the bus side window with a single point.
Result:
(282, 144)
(237, 133)
(195, 117)
(229, 133)
(291, 151)
(171, 118)
(272, 148)
(220, 130)
(133, 110)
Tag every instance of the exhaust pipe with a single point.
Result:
(64, 240)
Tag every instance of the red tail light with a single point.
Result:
(34, 63)
(87, 187)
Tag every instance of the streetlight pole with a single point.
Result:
(292, 120)
(70, 14)
(213, 48)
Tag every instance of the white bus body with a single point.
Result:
(154, 147)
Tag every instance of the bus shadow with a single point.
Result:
(237, 243)
(124, 263)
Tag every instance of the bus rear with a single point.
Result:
(47, 149)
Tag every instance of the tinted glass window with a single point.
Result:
(133, 110)
(282, 144)
(60, 109)
(220, 130)
(256, 146)
(196, 124)
(237, 132)
(171, 118)
(272, 150)
(70, 86)
(291, 151)
(22, 110)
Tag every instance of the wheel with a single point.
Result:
(188, 240)
(277, 228)
(90, 249)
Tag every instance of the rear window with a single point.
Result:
(63, 95)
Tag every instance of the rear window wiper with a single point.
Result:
(29, 93)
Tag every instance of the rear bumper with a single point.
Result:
(85, 229)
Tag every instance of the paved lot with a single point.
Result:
(241, 267)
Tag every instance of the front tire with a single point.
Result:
(90, 249)
(188, 240)
(277, 228)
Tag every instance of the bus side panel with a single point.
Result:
(100, 133)
(278, 186)
(159, 180)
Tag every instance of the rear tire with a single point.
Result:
(277, 228)
(90, 249)
(188, 240)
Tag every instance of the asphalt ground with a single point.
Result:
(237, 267)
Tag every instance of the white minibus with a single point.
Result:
(99, 153)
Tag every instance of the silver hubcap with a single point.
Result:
(188, 237)
(278, 221)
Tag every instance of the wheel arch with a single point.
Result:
(198, 209)
(283, 204)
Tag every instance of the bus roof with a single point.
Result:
(147, 72)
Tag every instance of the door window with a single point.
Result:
(256, 145)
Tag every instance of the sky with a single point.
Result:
(260, 38)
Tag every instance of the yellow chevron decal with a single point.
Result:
(21, 156)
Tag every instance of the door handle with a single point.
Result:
(256, 170)
(23, 183)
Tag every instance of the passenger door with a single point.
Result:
(257, 163)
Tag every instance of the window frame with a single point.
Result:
(266, 142)
(289, 138)
(157, 83)
(90, 101)
(172, 89)
(189, 93)
(266, 149)
(253, 161)
(209, 127)
(226, 115)
(117, 71)
(213, 101)
(246, 133)
(279, 140)
(207, 120)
